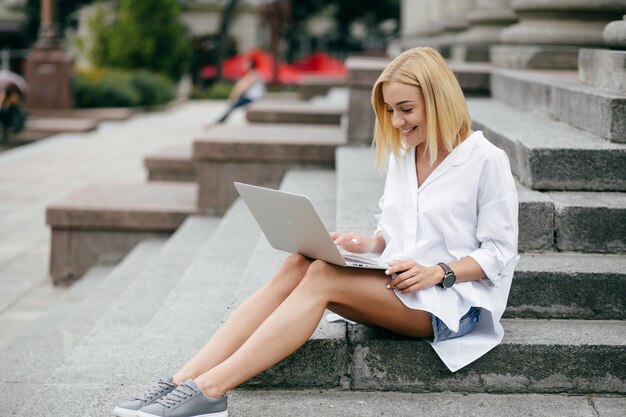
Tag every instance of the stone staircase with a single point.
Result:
(108, 339)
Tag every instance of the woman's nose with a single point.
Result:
(396, 120)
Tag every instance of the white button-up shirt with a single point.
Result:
(466, 207)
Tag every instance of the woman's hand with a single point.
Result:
(356, 243)
(409, 276)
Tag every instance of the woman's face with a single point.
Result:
(405, 106)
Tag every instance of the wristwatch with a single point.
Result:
(449, 278)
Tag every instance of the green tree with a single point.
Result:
(145, 35)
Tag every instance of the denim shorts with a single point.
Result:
(467, 323)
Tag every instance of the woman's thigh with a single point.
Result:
(361, 295)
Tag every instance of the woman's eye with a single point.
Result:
(389, 110)
(406, 110)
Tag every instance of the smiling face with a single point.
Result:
(405, 105)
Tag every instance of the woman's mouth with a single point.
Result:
(407, 132)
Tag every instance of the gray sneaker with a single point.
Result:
(186, 401)
(130, 408)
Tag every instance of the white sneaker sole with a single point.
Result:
(220, 414)
(124, 412)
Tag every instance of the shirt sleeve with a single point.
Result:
(497, 227)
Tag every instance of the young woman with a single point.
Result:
(448, 230)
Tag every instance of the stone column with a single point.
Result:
(487, 19)
(550, 33)
(606, 69)
(455, 19)
(48, 66)
(421, 20)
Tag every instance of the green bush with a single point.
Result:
(154, 89)
(115, 88)
(144, 35)
(218, 91)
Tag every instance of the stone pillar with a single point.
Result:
(48, 66)
(487, 19)
(550, 33)
(606, 69)
(454, 20)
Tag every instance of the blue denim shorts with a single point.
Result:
(467, 323)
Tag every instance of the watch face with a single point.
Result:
(449, 280)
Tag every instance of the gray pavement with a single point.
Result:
(36, 175)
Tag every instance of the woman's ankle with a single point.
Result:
(209, 388)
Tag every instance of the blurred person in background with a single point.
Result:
(249, 88)
(13, 89)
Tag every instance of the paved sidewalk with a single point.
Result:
(36, 175)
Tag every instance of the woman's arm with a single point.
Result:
(409, 276)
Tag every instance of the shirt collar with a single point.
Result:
(459, 155)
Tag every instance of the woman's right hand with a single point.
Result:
(355, 243)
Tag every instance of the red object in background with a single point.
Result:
(235, 67)
(320, 63)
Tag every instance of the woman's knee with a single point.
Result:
(317, 273)
(290, 273)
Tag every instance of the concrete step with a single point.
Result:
(155, 325)
(29, 360)
(42, 127)
(563, 97)
(337, 403)
(569, 285)
(99, 114)
(550, 155)
(174, 163)
(536, 356)
(298, 112)
(108, 220)
(260, 154)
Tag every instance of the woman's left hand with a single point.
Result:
(409, 276)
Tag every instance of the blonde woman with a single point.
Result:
(448, 230)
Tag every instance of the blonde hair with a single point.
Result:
(446, 110)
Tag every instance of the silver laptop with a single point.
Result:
(291, 224)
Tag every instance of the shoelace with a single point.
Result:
(157, 390)
(180, 394)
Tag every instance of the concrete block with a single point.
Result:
(171, 164)
(73, 252)
(535, 220)
(534, 56)
(603, 114)
(105, 222)
(296, 112)
(319, 85)
(258, 154)
(604, 69)
(568, 285)
(361, 116)
(590, 222)
(548, 155)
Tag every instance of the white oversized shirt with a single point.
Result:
(466, 207)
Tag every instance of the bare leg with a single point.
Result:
(246, 319)
(360, 293)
